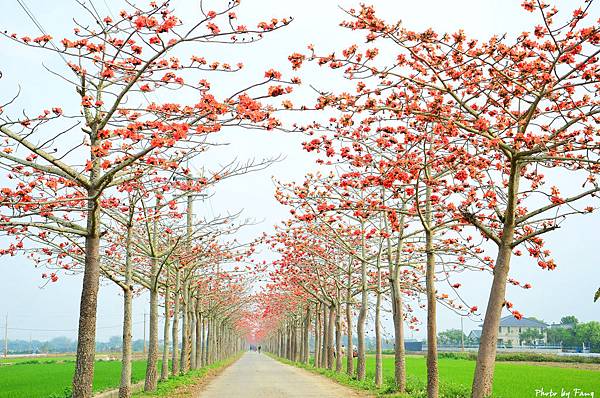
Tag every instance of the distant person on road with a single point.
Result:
(259, 348)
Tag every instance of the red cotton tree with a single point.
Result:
(64, 164)
(524, 108)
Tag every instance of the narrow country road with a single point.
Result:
(258, 376)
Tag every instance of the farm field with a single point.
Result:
(37, 380)
(49, 358)
(511, 380)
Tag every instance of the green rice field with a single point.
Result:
(43, 379)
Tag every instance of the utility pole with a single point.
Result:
(462, 336)
(144, 332)
(6, 336)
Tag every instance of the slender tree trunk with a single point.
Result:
(206, 341)
(350, 344)
(193, 336)
(86, 338)
(175, 331)
(432, 355)
(289, 342)
(302, 329)
(318, 341)
(324, 356)
(307, 335)
(198, 353)
(397, 304)
(125, 386)
(164, 370)
(338, 338)
(209, 338)
(484, 368)
(185, 329)
(296, 345)
(330, 338)
(203, 341)
(151, 371)
(399, 352)
(360, 327)
(378, 347)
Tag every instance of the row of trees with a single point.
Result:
(442, 152)
(574, 334)
(105, 188)
(63, 344)
(435, 158)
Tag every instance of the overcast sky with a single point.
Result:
(567, 290)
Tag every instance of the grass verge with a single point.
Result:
(180, 385)
(415, 388)
(511, 379)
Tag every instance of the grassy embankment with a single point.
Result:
(512, 380)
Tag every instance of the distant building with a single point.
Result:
(474, 336)
(562, 326)
(511, 328)
(413, 345)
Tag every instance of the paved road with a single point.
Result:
(258, 376)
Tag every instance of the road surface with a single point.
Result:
(258, 376)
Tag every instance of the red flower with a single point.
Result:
(213, 28)
(86, 101)
(517, 315)
(273, 74)
(107, 73)
(296, 59)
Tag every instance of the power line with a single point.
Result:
(69, 330)
(39, 26)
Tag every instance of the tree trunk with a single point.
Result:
(164, 370)
(338, 339)
(209, 344)
(193, 336)
(432, 355)
(378, 353)
(330, 338)
(203, 342)
(317, 335)
(484, 368)
(198, 356)
(360, 327)
(185, 330)
(175, 331)
(325, 332)
(397, 304)
(432, 360)
(125, 386)
(86, 338)
(399, 352)
(151, 372)
(307, 336)
(350, 343)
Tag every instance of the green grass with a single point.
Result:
(48, 379)
(523, 357)
(511, 380)
(167, 387)
(37, 359)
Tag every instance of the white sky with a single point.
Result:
(567, 290)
